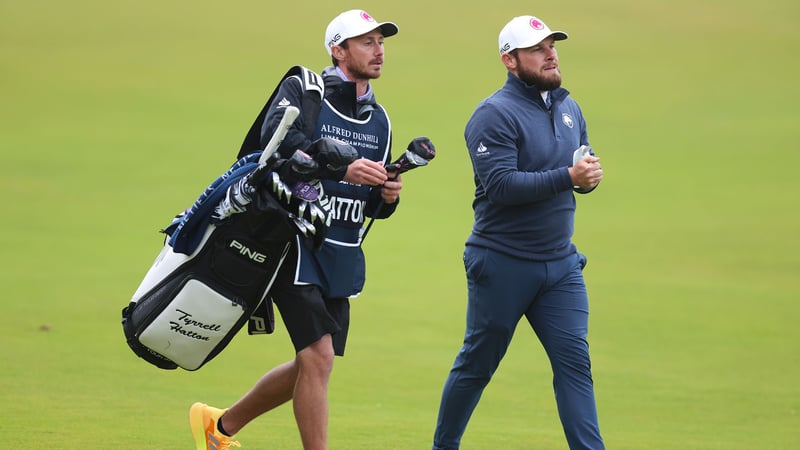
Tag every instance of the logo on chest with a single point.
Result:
(567, 120)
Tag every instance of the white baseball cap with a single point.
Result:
(354, 23)
(524, 32)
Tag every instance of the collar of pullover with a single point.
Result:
(533, 92)
(342, 95)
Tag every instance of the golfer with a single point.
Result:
(519, 258)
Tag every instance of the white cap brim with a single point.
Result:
(524, 32)
(354, 23)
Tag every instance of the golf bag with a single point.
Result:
(222, 255)
(214, 272)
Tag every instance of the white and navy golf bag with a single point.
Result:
(217, 265)
(223, 254)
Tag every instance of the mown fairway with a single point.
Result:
(115, 116)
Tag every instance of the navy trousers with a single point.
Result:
(552, 296)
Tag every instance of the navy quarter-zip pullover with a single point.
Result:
(524, 204)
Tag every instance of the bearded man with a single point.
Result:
(530, 153)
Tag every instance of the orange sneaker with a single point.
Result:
(203, 419)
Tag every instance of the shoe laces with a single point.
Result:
(228, 443)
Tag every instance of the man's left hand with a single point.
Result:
(391, 188)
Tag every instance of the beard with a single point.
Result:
(544, 83)
(364, 73)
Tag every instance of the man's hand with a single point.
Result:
(586, 173)
(391, 188)
(366, 171)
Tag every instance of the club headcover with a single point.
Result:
(332, 156)
(418, 153)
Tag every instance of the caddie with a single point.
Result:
(312, 289)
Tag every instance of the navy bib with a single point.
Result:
(339, 267)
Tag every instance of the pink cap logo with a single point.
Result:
(536, 24)
(367, 17)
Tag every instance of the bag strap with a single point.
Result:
(313, 92)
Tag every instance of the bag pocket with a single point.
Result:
(193, 325)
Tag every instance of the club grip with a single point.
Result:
(289, 116)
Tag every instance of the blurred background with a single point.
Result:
(115, 116)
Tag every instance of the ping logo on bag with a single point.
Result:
(247, 252)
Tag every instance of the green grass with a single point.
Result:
(116, 115)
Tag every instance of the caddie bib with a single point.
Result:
(339, 267)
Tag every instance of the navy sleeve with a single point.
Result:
(290, 92)
(492, 141)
